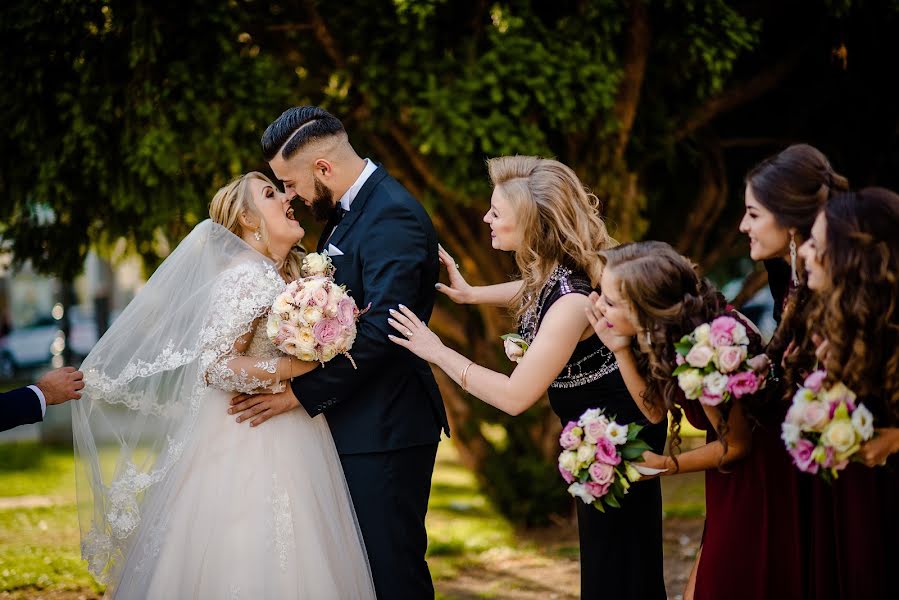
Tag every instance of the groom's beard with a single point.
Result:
(322, 205)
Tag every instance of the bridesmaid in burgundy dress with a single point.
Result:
(653, 295)
(852, 259)
(783, 196)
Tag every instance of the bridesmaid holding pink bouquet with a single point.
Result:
(852, 260)
(652, 299)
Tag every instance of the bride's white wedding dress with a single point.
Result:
(217, 509)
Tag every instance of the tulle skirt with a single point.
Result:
(260, 512)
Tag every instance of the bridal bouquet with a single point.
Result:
(597, 458)
(712, 365)
(825, 427)
(314, 319)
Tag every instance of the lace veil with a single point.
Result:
(146, 379)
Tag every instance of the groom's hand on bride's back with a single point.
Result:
(259, 408)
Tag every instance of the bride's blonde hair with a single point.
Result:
(236, 198)
(558, 218)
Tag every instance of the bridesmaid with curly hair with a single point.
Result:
(852, 260)
(652, 297)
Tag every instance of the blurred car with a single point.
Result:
(36, 344)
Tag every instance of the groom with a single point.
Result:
(386, 415)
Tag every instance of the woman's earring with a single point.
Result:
(258, 236)
(793, 260)
(648, 338)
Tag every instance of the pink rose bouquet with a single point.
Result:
(712, 363)
(314, 319)
(824, 428)
(597, 456)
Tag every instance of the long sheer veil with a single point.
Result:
(145, 379)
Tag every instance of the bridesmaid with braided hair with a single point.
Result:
(852, 260)
(652, 297)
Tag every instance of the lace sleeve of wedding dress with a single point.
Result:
(146, 378)
(236, 372)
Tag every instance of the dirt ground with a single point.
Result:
(554, 573)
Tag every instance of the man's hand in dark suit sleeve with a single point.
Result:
(61, 385)
(395, 256)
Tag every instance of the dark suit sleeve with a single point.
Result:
(19, 407)
(393, 260)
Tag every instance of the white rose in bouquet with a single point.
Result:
(317, 265)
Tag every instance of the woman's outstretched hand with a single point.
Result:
(414, 335)
(608, 336)
(458, 290)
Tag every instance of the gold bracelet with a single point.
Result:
(464, 377)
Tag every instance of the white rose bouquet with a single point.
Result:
(825, 428)
(314, 319)
(712, 363)
(597, 459)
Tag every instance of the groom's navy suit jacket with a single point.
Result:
(19, 407)
(389, 257)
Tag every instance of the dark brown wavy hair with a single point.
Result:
(668, 299)
(858, 313)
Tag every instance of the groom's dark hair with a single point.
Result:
(298, 127)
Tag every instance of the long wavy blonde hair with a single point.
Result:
(559, 220)
(236, 198)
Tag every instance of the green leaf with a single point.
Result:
(611, 500)
(680, 369)
(633, 430)
(634, 450)
(682, 347)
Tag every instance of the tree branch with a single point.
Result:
(323, 35)
(711, 202)
(634, 67)
(739, 95)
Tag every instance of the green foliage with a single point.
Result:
(126, 116)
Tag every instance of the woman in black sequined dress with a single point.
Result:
(541, 211)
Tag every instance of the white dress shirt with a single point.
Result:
(40, 396)
(347, 199)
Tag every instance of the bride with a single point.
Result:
(175, 498)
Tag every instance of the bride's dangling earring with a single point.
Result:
(793, 260)
(648, 338)
(258, 237)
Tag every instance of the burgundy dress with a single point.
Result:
(854, 532)
(751, 545)
(751, 542)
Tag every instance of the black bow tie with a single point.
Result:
(339, 212)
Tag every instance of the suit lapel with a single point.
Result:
(357, 206)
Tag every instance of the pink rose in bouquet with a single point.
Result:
(571, 436)
(729, 358)
(743, 383)
(606, 452)
(602, 472)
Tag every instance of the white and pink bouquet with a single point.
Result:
(314, 319)
(825, 427)
(597, 458)
(712, 363)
